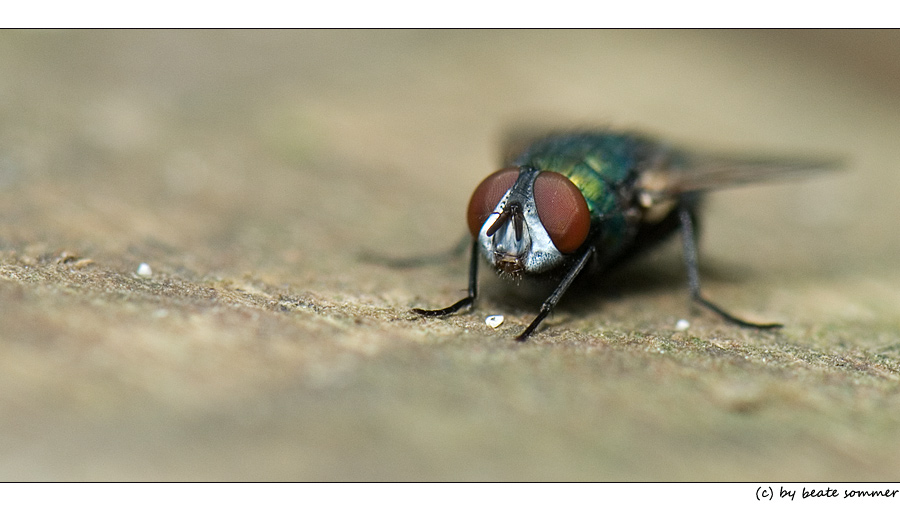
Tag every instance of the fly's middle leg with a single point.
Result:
(689, 241)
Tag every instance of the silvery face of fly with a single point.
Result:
(513, 239)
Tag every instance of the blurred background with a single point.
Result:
(250, 169)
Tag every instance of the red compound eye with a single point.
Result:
(486, 196)
(563, 211)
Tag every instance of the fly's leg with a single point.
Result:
(437, 258)
(462, 303)
(689, 240)
(557, 294)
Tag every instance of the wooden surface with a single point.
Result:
(250, 170)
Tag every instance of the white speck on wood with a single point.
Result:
(494, 321)
(144, 270)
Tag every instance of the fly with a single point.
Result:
(587, 201)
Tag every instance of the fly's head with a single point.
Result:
(526, 221)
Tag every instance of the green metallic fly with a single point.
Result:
(575, 202)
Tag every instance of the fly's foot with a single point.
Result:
(733, 319)
(449, 310)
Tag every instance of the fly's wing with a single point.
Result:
(670, 174)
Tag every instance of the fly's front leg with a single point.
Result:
(462, 303)
(557, 294)
(689, 240)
